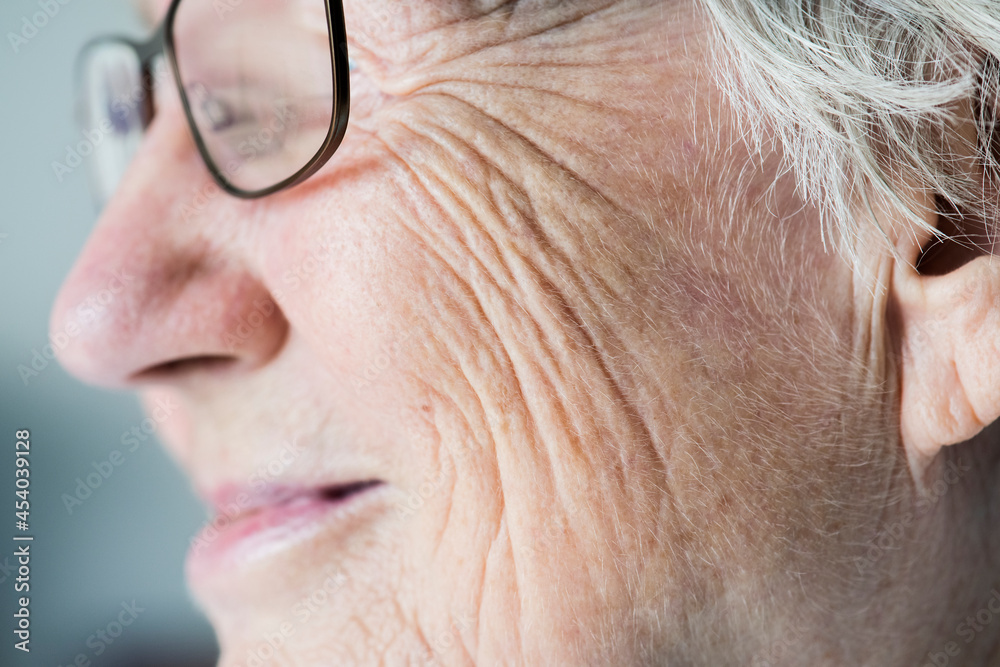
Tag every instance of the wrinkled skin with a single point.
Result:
(618, 392)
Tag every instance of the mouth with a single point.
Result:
(253, 525)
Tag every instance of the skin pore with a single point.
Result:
(625, 407)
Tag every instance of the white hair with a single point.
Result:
(867, 95)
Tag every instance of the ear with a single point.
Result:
(945, 318)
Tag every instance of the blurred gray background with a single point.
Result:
(126, 541)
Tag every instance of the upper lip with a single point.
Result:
(236, 501)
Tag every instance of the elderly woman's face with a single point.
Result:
(540, 368)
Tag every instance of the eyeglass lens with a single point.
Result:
(112, 106)
(259, 83)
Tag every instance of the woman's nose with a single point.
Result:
(156, 293)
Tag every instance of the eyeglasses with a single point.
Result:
(264, 85)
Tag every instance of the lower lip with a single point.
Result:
(271, 530)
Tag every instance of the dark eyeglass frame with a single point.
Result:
(162, 43)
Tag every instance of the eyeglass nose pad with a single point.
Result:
(152, 72)
(148, 104)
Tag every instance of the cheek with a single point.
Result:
(397, 334)
(525, 373)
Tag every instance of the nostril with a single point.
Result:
(185, 366)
